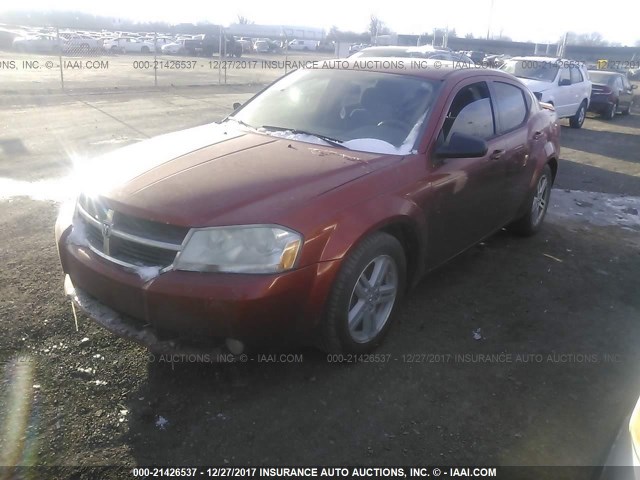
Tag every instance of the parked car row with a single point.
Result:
(127, 42)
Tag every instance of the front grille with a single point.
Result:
(129, 240)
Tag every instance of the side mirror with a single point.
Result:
(564, 82)
(462, 146)
(236, 106)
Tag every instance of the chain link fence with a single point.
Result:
(53, 58)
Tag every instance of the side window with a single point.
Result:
(511, 106)
(576, 75)
(564, 74)
(470, 113)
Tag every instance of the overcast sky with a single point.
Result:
(538, 21)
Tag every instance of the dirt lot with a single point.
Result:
(559, 312)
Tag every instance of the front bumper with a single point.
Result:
(192, 306)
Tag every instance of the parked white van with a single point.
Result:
(303, 45)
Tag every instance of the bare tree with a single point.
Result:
(375, 26)
(469, 36)
(242, 20)
(593, 39)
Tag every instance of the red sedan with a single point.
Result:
(310, 211)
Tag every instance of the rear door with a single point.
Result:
(466, 198)
(512, 110)
(627, 93)
(564, 97)
(580, 87)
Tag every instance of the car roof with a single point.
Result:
(605, 72)
(547, 59)
(426, 68)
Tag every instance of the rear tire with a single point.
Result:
(610, 113)
(364, 296)
(578, 119)
(537, 204)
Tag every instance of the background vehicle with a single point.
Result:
(174, 48)
(37, 43)
(261, 46)
(356, 47)
(475, 55)
(73, 43)
(562, 83)
(299, 242)
(610, 92)
(129, 45)
(303, 45)
(414, 52)
(208, 45)
(246, 44)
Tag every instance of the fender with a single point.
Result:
(393, 213)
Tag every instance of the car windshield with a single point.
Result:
(600, 77)
(532, 69)
(360, 110)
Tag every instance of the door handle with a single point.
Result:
(496, 155)
(537, 135)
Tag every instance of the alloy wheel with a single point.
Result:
(372, 299)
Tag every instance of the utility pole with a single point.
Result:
(490, 18)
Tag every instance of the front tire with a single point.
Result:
(538, 202)
(364, 296)
(578, 119)
(627, 110)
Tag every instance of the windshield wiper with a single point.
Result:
(330, 140)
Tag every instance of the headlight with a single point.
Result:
(241, 249)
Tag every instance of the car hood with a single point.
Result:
(221, 174)
(536, 85)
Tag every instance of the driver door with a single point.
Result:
(466, 199)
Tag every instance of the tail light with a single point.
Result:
(601, 89)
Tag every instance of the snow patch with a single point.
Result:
(162, 422)
(373, 145)
(55, 189)
(148, 273)
(600, 209)
(78, 235)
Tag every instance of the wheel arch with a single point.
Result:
(395, 216)
(553, 165)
